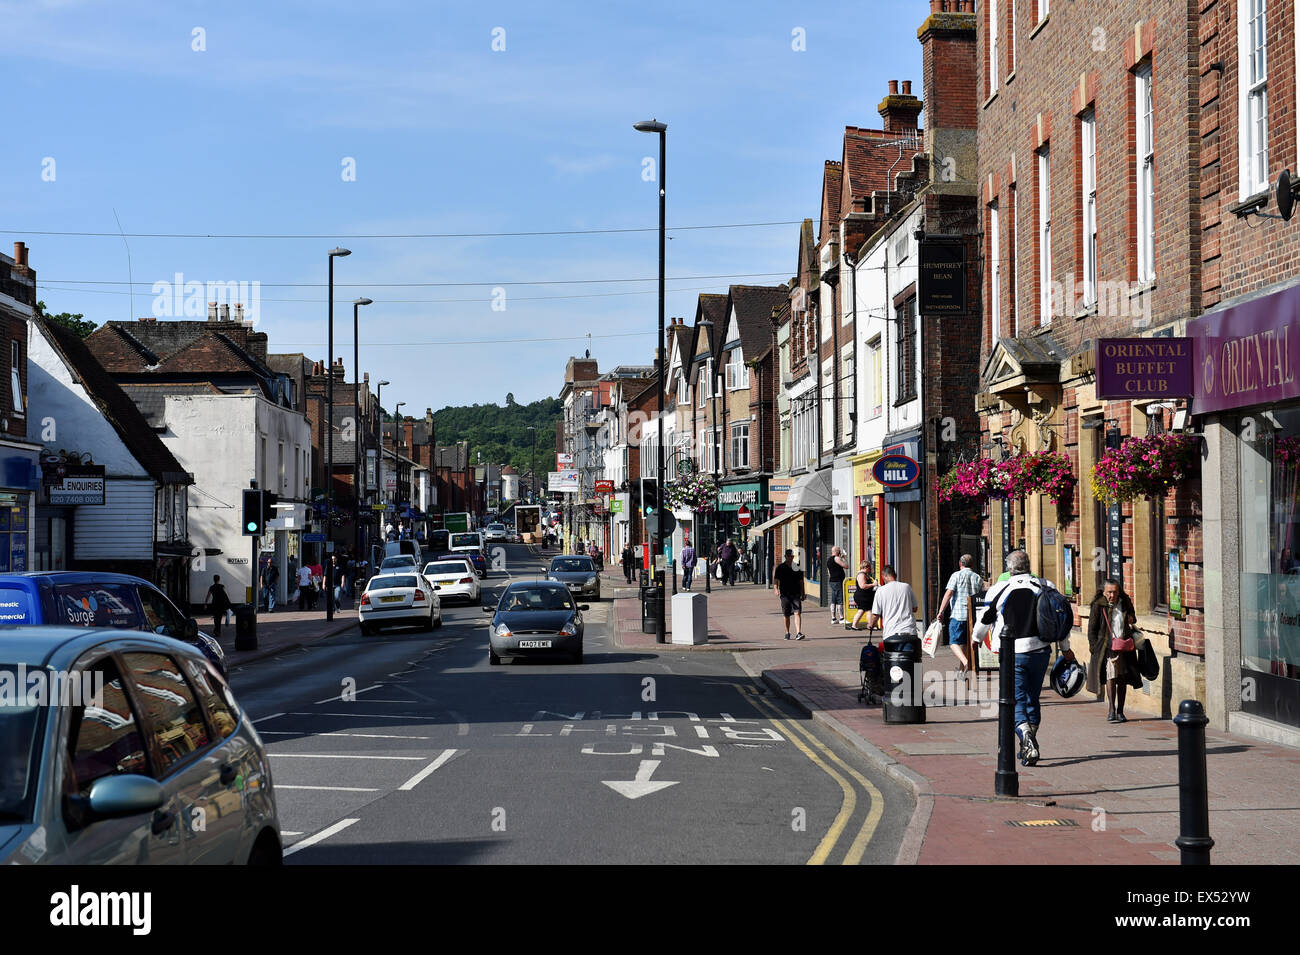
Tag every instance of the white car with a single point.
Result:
(392, 565)
(402, 599)
(454, 578)
(497, 532)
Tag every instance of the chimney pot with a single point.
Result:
(907, 87)
(893, 87)
(20, 254)
(224, 312)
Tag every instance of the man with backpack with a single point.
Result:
(1031, 612)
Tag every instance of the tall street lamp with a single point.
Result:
(533, 496)
(379, 459)
(654, 126)
(356, 432)
(397, 465)
(708, 575)
(329, 449)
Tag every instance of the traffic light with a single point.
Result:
(269, 513)
(649, 509)
(254, 515)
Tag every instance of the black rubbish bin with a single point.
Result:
(650, 609)
(901, 662)
(245, 627)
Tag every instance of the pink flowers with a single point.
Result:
(1144, 467)
(1044, 472)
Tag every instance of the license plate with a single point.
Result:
(449, 580)
(534, 644)
(390, 600)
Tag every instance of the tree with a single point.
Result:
(510, 399)
(76, 323)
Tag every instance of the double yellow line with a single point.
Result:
(876, 802)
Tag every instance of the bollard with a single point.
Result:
(1006, 781)
(708, 576)
(1193, 840)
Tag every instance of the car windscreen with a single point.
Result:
(392, 580)
(536, 598)
(496, 527)
(20, 743)
(433, 570)
(572, 564)
(464, 540)
(403, 561)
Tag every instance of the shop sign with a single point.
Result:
(1247, 355)
(864, 482)
(896, 470)
(564, 482)
(563, 461)
(731, 497)
(604, 487)
(842, 491)
(76, 485)
(1144, 368)
(616, 506)
(941, 278)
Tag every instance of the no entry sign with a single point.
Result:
(743, 516)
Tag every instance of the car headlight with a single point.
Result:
(591, 581)
(570, 629)
(502, 630)
(553, 578)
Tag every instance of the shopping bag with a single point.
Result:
(930, 642)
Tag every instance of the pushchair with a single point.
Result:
(871, 668)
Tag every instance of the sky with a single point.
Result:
(239, 142)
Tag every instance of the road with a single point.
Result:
(408, 747)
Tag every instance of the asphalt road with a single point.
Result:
(407, 747)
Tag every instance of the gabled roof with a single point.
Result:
(115, 405)
(753, 305)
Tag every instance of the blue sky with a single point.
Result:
(249, 136)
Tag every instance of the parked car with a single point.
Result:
(535, 617)
(399, 599)
(577, 573)
(454, 577)
(152, 760)
(95, 599)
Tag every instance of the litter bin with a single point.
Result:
(901, 662)
(650, 609)
(245, 627)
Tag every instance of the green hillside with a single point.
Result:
(501, 432)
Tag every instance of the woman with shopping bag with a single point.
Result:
(1112, 642)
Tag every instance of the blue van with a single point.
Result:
(95, 599)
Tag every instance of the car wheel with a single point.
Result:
(438, 625)
(366, 630)
(493, 658)
(577, 657)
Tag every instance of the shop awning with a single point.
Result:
(773, 522)
(812, 492)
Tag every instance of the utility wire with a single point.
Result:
(261, 284)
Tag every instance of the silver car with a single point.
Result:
(122, 747)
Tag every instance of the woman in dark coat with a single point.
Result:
(1112, 615)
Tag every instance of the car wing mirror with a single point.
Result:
(488, 609)
(584, 606)
(191, 629)
(125, 795)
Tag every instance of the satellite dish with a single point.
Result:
(1285, 197)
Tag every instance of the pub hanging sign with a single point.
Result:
(941, 278)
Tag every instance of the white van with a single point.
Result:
(407, 547)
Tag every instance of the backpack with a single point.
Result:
(1055, 616)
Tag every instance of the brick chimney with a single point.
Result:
(900, 110)
(408, 431)
(948, 64)
(20, 256)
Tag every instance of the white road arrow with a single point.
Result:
(642, 785)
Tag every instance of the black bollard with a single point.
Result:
(1007, 780)
(708, 576)
(1193, 840)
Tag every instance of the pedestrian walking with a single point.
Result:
(837, 569)
(864, 593)
(304, 586)
(629, 562)
(728, 555)
(218, 602)
(340, 581)
(688, 564)
(894, 607)
(964, 586)
(1113, 650)
(1013, 614)
(788, 584)
(270, 581)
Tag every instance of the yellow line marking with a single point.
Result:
(877, 800)
(847, 806)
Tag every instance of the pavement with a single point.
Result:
(1102, 792)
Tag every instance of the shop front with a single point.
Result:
(20, 475)
(810, 531)
(905, 550)
(869, 511)
(1248, 399)
(751, 495)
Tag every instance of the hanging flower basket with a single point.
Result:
(1144, 467)
(691, 493)
(977, 480)
(1287, 450)
(1040, 472)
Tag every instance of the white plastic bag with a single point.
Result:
(930, 642)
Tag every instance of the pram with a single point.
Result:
(872, 671)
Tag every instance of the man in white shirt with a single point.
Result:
(894, 606)
(304, 585)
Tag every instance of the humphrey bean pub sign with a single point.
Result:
(941, 279)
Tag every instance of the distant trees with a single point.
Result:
(77, 323)
(501, 433)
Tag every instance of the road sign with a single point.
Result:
(652, 523)
(313, 538)
(743, 516)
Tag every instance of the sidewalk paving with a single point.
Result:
(280, 631)
(1114, 785)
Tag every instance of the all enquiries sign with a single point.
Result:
(76, 485)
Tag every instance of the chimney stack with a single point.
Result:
(947, 50)
(20, 255)
(900, 110)
(212, 311)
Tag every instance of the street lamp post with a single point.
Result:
(356, 432)
(533, 496)
(654, 126)
(379, 458)
(713, 405)
(397, 465)
(329, 446)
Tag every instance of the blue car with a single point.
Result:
(95, 599)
